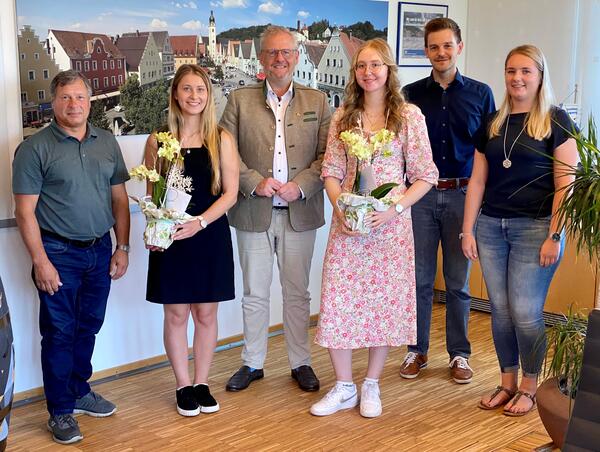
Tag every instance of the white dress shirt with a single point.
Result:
(280, 164)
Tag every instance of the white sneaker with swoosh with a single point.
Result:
(340, 397)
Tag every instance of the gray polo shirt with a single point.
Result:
(73, 179)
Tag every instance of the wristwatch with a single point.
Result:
(123, 248)
(555, 237)
(202, 221)
(399, 207)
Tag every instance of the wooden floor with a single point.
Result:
(430, 413)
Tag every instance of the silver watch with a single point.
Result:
(203, 222)
(399, 207)
(123, 248)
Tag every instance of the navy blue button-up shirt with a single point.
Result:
(455, 117)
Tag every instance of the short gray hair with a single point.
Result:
(66, 78)
(273, 30)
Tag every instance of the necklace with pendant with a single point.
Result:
(188, 138)
(506, 163)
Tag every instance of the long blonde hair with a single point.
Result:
(211, 133)
(354, 94)
(538, 119)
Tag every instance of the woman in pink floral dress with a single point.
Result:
(368, 292)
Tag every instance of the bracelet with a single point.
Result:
(462, 234)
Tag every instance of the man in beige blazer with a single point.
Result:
(281, 132)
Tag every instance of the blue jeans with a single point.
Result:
(438, 216)
(509, 252)
(71, 318)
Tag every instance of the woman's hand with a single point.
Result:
(549, 252)
(469, 246)
(186, 230)
(154, 248)
(344, 226)
(375, 219)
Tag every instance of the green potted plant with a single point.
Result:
(580, 217)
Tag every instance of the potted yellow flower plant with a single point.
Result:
(166, 207)
(365, 197)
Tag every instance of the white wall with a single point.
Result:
(495, 27)
(457, 11)
(587, 65)
(566, 30)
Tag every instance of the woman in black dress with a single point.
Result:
(196, 271)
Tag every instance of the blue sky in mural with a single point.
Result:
(191, 17)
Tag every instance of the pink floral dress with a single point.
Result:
(368, 294)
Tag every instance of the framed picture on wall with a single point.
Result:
(412, 18)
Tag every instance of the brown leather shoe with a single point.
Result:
(460, 370)
(412, 365)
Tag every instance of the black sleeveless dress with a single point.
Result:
(198, 269)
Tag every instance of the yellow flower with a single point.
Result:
(139, 172)
(357, 145)
(152, 175)
(381, 138)
(169, 148)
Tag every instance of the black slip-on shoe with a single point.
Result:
(306, 378)
(243, 377)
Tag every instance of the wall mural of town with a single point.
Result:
(130, 50)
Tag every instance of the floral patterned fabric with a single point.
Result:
(368, 293)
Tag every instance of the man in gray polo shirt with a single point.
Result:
(69, 187)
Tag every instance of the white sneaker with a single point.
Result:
(370, 403)
(338, 398)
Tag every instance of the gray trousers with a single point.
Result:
(294, 251)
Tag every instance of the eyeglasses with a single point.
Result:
(286, 53)
(374, 66)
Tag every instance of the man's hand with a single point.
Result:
(46, 277)
(290, 191)
(268, 187)
(118, 264)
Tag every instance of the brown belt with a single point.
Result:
(452, 184)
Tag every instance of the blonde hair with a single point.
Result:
(538, 120)
(211, 132)
(354, 94)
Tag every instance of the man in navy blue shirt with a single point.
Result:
(455, 109)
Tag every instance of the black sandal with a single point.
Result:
(499, 389)
(514, 401)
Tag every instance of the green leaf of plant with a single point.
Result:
(383, 190)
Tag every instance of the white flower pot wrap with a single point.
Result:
(158, 232)
(356, 207)
(160, 223)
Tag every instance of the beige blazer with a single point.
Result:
(252, 123)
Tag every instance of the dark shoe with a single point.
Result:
(242, 378)
(64, 428)
(306, 378)
(187, 405)
(412, 365)
(205, 400)
(93, 404)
